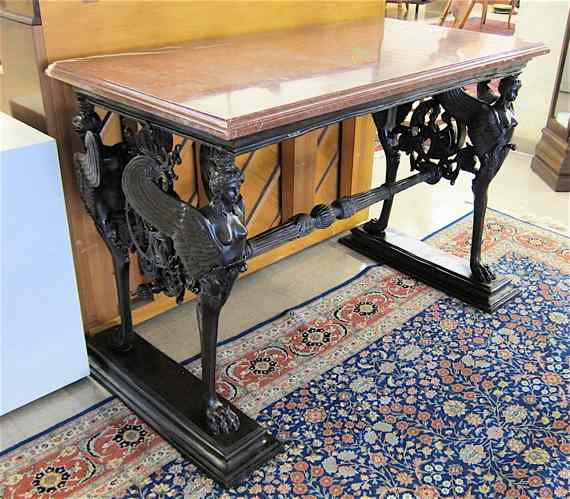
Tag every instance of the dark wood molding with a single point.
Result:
(173, 401)
(560, 70)
(551, 161)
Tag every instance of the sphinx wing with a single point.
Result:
(461, 105)
(88, 170)
(195, 243)
(193, 240)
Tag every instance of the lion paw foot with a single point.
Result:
(482, 273)
(221, 419)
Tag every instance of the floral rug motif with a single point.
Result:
(382, 387)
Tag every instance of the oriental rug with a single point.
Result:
(381, 387)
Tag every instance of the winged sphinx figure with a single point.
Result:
(211, 244)
(490, 122)
(98, 171)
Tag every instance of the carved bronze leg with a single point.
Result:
(490, 122)
(179, 247)
(98, 171)
(386, 124)
(210, 244)
(123, 339)
(481, 183)
(225, 216)
(435, 142)
(128, 190)
(214, 292)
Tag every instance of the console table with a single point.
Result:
(238, 94)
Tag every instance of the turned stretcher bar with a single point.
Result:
(323, 216)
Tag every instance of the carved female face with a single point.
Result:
(226, 188)
(231, 193)
(509, 88)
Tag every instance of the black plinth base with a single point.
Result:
(432, 266)
(172, 401)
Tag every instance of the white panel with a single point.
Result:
(42, 344)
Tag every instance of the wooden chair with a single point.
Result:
(461, 23)
(407, 3)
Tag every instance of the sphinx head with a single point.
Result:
(509, 88)
(222, 179)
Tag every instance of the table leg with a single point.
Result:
(491, 128)
(485, 9)
(215, 290)
(511, 12)
(445, 12)
(387, 123)
(98, 171)
(461, 22)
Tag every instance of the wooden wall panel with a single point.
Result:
(186, 184)
(20, 89)
(261, 191)
(327, 165)
(298, 174)
(358, 136)
(116, 25)
(25, 8)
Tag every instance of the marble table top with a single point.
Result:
(236, 86)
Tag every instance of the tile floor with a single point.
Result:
(418, 212)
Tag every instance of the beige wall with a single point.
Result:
(543, 20)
